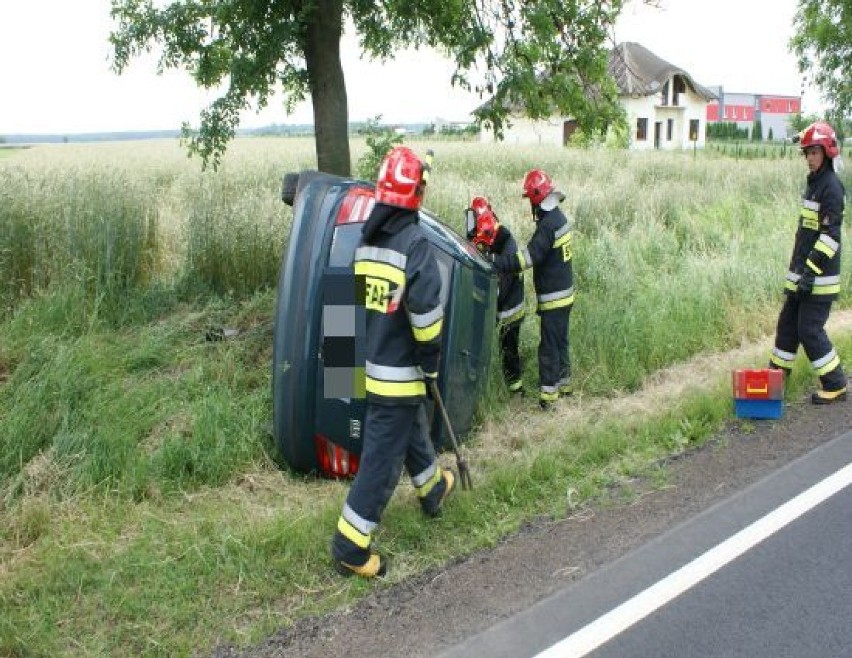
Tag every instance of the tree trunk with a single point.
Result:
(328, 87)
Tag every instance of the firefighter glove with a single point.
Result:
(806, 282)
(430, 378)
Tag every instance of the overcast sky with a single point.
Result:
(55, 75)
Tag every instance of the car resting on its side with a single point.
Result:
(319, 334)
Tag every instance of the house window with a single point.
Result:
(678, 88)
(669, 129)
(694, 125)
(664, 95)
(641, 130)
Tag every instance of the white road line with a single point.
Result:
(619, 619)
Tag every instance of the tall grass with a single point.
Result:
(234, 232)
(674, 256)
(153, 410)
(744, 149)
(122, 217)
(56, 225)
(141, 508)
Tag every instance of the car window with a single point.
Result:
(450, 238)
(445, 268)
(343, 244)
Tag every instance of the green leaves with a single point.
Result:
(248, 48)
(379, 141)
(551, 58)
(538, 58)
(823, 45)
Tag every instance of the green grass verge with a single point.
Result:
(171, 576)
(154, 523)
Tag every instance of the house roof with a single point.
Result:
(638, 71)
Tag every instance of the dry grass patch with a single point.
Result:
(523, 429)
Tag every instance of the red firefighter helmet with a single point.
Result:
(401, 182)
(480, 204)
(820, 133)
(485, 230)
(538, 186)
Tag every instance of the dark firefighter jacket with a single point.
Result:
(510, 285)
(549, 254)
(402, 295)
(817, 245)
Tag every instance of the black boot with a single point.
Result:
(829, 397)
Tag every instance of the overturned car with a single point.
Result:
(318, 358)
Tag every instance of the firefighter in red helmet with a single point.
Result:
(548, 253)
(404, 320)
(492, 237)
(813, 277)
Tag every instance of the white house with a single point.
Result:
(665, 107)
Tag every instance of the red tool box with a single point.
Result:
(758, 393)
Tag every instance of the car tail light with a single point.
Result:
(356, 206)
(334, 461)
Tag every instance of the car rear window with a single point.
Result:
(343, 244)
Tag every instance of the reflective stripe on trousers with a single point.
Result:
(553, 358)
(394, 435)
(802, 322)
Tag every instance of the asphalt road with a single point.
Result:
(764, 573)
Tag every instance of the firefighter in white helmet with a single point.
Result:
(813, 279)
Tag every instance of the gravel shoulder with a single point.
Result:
(427, 614)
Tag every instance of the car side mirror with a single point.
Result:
(470, 223)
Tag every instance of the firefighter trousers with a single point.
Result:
(802, 322)
(393, 436)
(510, 336)
(554, 366)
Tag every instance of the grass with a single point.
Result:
(749, 150)
(142, 508)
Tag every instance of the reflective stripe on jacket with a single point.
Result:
(549, 254)
(402, 295)
(817, 245)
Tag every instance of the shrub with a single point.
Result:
(380, 139)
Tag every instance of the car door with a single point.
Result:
(469, 324)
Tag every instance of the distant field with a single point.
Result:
(143, 508)
(8, 151)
